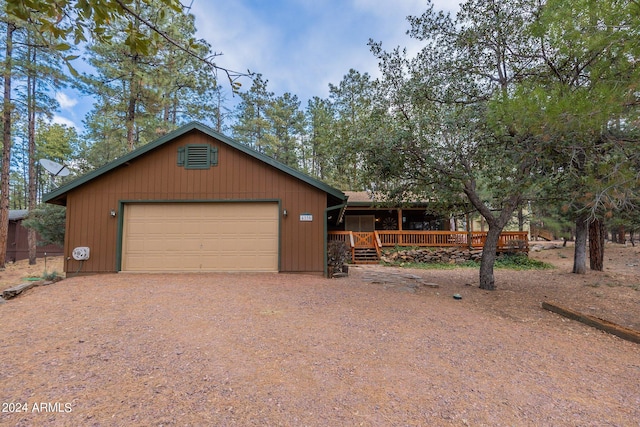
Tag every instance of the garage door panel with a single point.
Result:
(258, 263)
(241, 244)
(140, 244)
(200, 237)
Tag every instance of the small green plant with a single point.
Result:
(50, 276)
(521, 262)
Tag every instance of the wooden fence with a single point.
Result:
(509, 240)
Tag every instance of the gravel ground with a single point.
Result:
(378, 348)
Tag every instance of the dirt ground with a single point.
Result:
(378, 348)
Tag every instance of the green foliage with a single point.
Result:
(271, 125)
(142, 96)
(507, 262)
(444, 140)
(521, 262)
(53, 275)
(353, 129)
(59, 21)
(589, 97)
(511, 102)
(316, 152)
(49, 222)
(286, 125)
(252, 125)
(55, 142)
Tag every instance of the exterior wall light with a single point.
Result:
(284, 213)
(112, 212)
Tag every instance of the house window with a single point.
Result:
(197, 156)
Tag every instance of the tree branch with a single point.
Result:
(231, 75)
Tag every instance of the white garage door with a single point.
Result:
(200, 237)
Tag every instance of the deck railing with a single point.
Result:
(512, 240)
(518, 240)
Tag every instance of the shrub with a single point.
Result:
(337, 254)
(49, 222)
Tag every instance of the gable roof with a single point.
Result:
(58, 196)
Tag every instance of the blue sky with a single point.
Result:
(299, 46)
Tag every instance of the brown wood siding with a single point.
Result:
(155, 176)
(18, 244)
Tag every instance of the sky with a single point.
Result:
(299, 46)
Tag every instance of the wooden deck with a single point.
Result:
(367, 242)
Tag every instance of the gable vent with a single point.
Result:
(201, 156)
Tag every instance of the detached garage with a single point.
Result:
(196, 201)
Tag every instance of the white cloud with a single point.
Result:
(235, 31)
(64, 121)
(66, 103)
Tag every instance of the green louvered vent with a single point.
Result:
(201, 156)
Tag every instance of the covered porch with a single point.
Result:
(364, 213)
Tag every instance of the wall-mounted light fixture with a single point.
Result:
(112, 212)
(284, 213)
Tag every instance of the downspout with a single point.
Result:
(342, 207)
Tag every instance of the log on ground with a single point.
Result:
(601, 324)
(18, 289)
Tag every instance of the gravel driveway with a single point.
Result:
(300, 350)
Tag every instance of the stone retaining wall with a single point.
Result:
(434, 255)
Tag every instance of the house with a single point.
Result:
(18, 243)
(196, 200)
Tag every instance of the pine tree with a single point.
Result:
(286, 121)
(251, 125)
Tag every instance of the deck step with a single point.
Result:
(366, 256)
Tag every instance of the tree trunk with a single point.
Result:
(31, 114)
(469, 232)
(597, 233)
(496, 224)
(520, 219)
(219, 111)
(489, 252)
(580, 251)
(6, 146)
(131, 118)
(622, 235)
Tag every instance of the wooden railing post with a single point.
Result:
(352, 246)
(378, 243)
